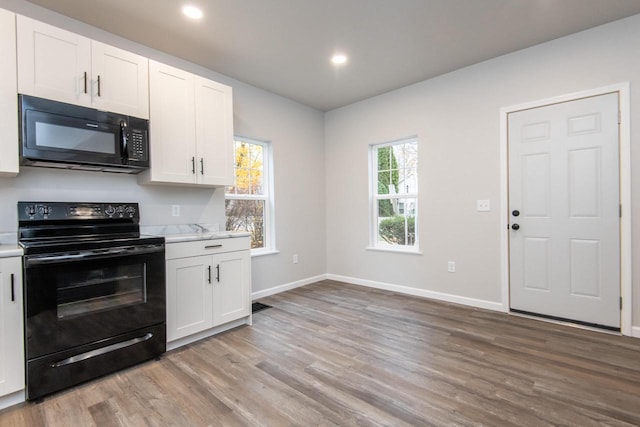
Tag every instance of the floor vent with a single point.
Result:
(258, 306)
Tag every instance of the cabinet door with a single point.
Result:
(120, 80)
(214, 132)
(53, 63)
(8, 99)
(11, 326)
(189, 296)
(172, 125)
(231, 286)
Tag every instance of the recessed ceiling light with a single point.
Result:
(339, 59)
(192, 12)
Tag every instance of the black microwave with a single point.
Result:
(60, 135)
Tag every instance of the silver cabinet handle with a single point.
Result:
(13, 288)
(85, 82)
(201, 165)
(98, 84)
(213, 246)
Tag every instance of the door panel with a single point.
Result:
(188, 296)
(564, 181)
(172, 127)
(124, 80)
(536, 262)
(53, 63)
(214, 132)
(232, 287)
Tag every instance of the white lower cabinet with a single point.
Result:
(11, 326)
(208, 285)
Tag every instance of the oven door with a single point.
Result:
(77, 298)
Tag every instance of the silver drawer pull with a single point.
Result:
(212, 246)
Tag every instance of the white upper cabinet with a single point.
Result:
(57, 64)
(191, 129)
(8, 98)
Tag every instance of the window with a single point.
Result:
(394, 189)
(249, 202)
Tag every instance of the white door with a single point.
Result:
(231, 286)
(120, 80)
(8, 100)
(172, 124)
(189, 296)
(11, 326)
(214, 132)
(53, 63)
(564, 210)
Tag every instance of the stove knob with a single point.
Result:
(30, 210)
(110, 210)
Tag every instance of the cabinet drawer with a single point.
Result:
(206, 247)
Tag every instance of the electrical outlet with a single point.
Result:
(175, 210)
(483, 205)
(451, 266)
(295, 258)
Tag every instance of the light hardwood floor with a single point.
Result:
(337, 354)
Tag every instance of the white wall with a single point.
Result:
(456, 118)
(297, 135)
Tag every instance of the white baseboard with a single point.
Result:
(635, 331)
(172, 345)
(287, 287)
(12, 399)
(473, 302)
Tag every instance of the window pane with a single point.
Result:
(384, 183)
(256, 181)
(246, 215)
(384, 155)
(249, 162)
(407, 159)
(396, 221)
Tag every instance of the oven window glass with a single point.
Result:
(72, 138)
(108, 287)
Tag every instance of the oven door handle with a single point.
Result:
(30, 261)
(100, 351)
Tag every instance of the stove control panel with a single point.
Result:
(38, 210)
(121, 211)
(51, 211)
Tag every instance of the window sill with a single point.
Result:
(264, 253)
(393, 250)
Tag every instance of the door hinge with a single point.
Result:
(620, 303)
(619, 116)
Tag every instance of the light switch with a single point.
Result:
(484, 205)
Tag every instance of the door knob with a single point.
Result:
(516, 212)
(515, 227)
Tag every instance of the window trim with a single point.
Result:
(374, 244)
(267, 196)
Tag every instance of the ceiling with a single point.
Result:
(284, 46)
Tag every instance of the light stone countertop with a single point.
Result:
(189, 232)
(9, 245)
